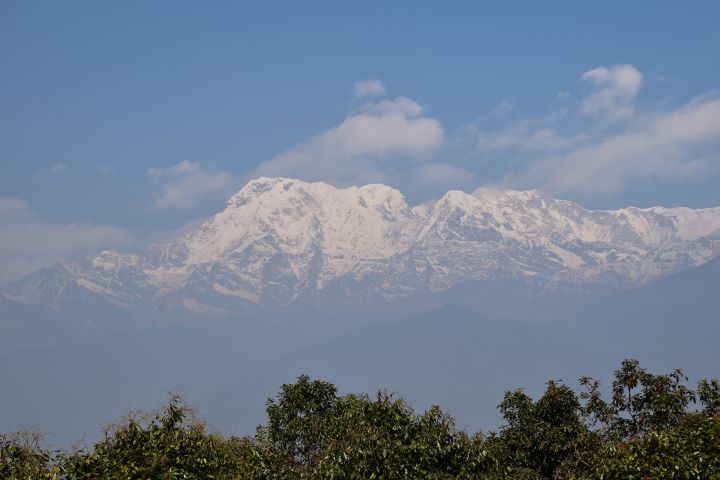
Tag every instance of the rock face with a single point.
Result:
(281, 241)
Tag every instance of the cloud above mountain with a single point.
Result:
(28, 243)
(672, 144)
(184, 185)
(604, 142)
(362, 148)
(597, 141)
(614, 91)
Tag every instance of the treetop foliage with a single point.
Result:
(651, 426)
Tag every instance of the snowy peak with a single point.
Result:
(275, 192)
(279, 240)
(658, 224)
(297, 215)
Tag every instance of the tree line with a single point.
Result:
(651, 426)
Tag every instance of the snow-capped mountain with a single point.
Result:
(281, 240)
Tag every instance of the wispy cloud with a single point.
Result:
(528, 136)
(28, 243)
(359, 149)
(505, 107)
(600, 143)
(105, 170)
(614, 91)
(368, 88)
(596, 142)
(671, 144)
(58, 168)
(185, 185)
(437, 178)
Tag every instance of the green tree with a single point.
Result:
(641, 402)
(709, 394)
(545, 438)
(22, 456)
(688, 450)
(169, 444)
(645, 430)
(312, 433)
(298, 427)
(384, 438)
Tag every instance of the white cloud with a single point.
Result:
(572, 150)
(186, 184)
(439, 177)
(614, 91)
(368, 88)
(541, 135)
(490, 192)
(13, 210)
(360, 148)
(58, 168)
(677, 143)
(399, 105)
(27, 243)
(504, 108)
(177, 170)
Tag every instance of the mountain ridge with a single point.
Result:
(280, 240)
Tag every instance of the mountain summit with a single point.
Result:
(280, 241)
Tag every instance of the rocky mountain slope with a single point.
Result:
(281, 241)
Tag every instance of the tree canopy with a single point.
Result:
(651, 426)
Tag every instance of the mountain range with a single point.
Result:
(282, 242)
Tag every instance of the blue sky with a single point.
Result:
(123, 122)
